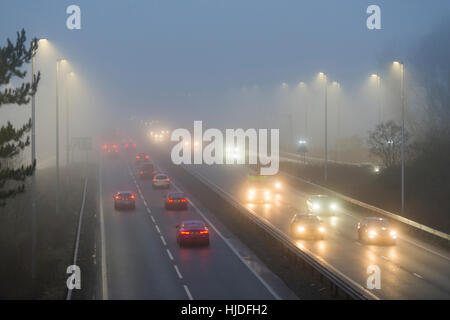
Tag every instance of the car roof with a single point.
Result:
(176, 194)
(122, 192)
(374, 219)
(306, 216)
(160, 174)
(319, 196)
(193, 222)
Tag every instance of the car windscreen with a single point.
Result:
(161, 177)
(176, 195)
(147, 167)
(194, 225)
(308, 219)
(378, 223)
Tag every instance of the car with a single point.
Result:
(176, 200)
(124, 200)
(322, 204)
(262, 190)
(147, 171)
(305, 226)
(142, 157)
(192, 232)
(374, 230)
(110, 150)
(161, 181)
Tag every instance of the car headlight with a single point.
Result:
(278, 185)
(393, 234)
(250, 197)
(251, 191)
(267, 192)
(333, 206)
(321, 229)
(300, 228)
(316, 206)
(372, 234)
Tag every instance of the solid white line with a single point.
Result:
(163, 240)
(178, 272)
(77, 240)
(102, 236)
(264, 283)
(170, 254)
(417, 275)
(188, 292)
(157, 228)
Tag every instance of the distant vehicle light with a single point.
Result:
(278, 185)
(132, 196)
(251, 191)
(333, 206)
(300, 229)
(204, 232)
(185, 232)
(321, 229)
(316, 206)
(393, 234)
(138, 157)
(142, 172)
(372, 234)
(147, 157)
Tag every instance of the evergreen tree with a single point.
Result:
(13, 58)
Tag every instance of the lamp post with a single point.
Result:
(58, 62)
(324, 76)
(402, 89)
(338, 133)
(33, 178)
(71, 74)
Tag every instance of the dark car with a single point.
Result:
(192, 232)
(141, 158)
(110, 150)
(147, 171)
(307, 226)
(376, 230)
(176, 200)
(322, 204)
(125, 200)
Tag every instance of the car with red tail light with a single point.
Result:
(176, 200)
(161, 181)
(124, 200)
(192, 232)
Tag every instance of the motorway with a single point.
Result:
(141, 259)
(413, 269)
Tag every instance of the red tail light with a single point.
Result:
(138, 157)
(109, 150)
(142, 172)
(126, 145)
(134, 145)
(204, 232)
(185, 232)
(168, 180)
(170, 200)
(117, 150)
(154, 180)
(114, 146)
(132, 196)
(147, 157)
(117, 197)
(183, 200)
(154, 171)
(105, 146)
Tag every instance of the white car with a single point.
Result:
(161, 181)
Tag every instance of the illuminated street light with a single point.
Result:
(324, 77)
(402, 82)
(58, 62)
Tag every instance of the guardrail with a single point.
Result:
(334, 276)
(361, 204)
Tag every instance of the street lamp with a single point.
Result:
(338, 134)
(69, 75)
(58, 62)
(377, 78)
(324, 77)
(33, 160)
(402, 89)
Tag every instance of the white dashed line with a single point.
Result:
(148, 210)
(157, 228)
(417, 275)
(170, 254)
(153, 219)
(178, 272)
(188, 292)
(145, 203)
(163, 240)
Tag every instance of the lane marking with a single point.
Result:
(188, 292)
(148, 210)
(417, 275)
(102, 237)
(163, 240)
(170, 254)
(157, 229)
(145, 203)
(153, 219)
(178, 272)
